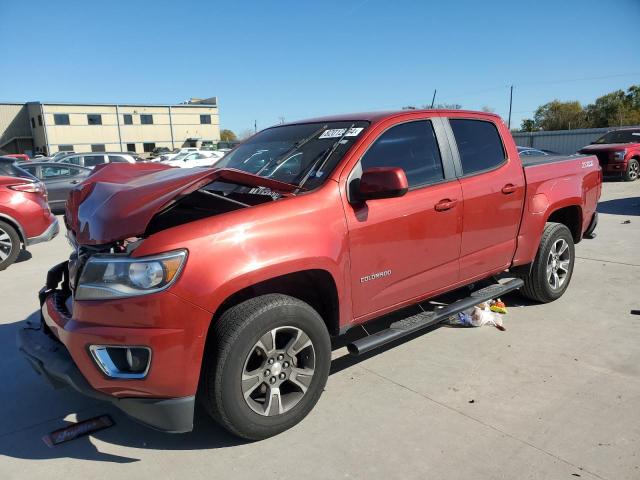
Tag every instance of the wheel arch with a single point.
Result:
(14, 223)
(316, 287)
(571, 217)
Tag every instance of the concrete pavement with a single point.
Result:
(555, 396)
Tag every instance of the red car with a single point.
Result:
(228, 282)
(618, 152)
(25, 218)
(18, 156)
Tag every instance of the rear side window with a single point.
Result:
(411, 146)
(117, 159)
(479, 145)
(12, 170)
(93, 160)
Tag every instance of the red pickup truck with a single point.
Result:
(618, 152)
(227, 283)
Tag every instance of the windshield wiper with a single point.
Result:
(324, 159)
(296, 146)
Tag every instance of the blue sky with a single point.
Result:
(295, 59)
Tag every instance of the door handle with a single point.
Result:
(74, 181)
(509, 188)
(445, 204)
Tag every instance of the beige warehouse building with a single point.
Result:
(47, 128)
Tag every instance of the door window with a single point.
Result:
(53, 172)
(93, 160)
(411, 146)
(479, 144)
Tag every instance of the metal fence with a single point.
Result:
(561, 141)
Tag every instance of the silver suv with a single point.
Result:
(92, 159)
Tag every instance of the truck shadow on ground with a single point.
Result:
(621, 206)
(26, 442)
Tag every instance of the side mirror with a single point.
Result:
(382, 182)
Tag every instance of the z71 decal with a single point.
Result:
(587, 164)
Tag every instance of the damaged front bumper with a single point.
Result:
(51, 359)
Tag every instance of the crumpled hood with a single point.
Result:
(117, 201)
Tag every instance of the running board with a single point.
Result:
(423, 320)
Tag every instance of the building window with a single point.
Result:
(99, 147)
(146, 119)
(61, 119)
(33, 122)
(40, 120)
(148, 147)
(94, 119)
(131, 147)
(205, 119)
(65, 148)
(128, 119)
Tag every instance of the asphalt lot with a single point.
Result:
(555, 396)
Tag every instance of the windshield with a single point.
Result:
(620, 136)
(304, 153)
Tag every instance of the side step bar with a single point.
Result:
(420, 321)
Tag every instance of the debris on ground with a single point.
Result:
(626, 222)
(77, 430)
(486, 313)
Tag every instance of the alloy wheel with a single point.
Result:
(558, 264)
(5, 245)
(634, 170)
(278, 371)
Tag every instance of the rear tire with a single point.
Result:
(633, 170)
(552, 268)
(9, 245)
(255, 385)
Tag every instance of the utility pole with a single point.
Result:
(510, 104)
(433, 100)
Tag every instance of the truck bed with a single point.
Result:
(530, 161)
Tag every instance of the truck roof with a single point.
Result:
(375, 117)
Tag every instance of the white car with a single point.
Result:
(170, 156)
(194, 159)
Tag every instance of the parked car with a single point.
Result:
(194, 159)
(160, 151)
(177, 152)
(618, 152)
(59, 178)
(25, 218)
(229, 281)
(58, 155)
(92, 159)
(531, 152)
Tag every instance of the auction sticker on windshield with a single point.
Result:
(338, 132)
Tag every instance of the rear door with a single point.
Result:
(493, 189)
(403, 248)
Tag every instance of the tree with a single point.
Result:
(557, 115)
(448, 106)
(488, 109)
(227, 136)
(615, 109)
(528, 125)
(244, 134)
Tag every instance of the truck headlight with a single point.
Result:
(619, 155)
(116, 276)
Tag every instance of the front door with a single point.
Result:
(403, 248)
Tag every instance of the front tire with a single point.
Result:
(9, 245)
(266, 366)
(552, 268)
(633, 170)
